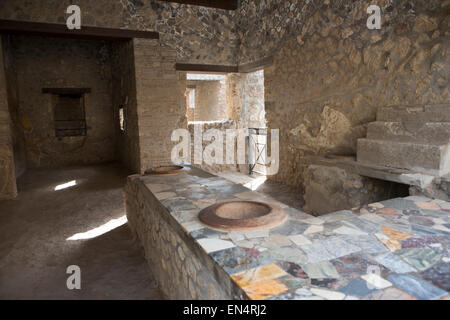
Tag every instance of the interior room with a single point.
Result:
(225, 150)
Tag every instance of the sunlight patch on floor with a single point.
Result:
(255, 183)
(66, 185)
(110, 225)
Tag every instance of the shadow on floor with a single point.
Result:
(286, 194)
(34, 228)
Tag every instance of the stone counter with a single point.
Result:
(405, 242)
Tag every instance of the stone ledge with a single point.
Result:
(419, 157)
(378, 172)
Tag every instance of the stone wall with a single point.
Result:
(329, 189)
(64, 63)
(180, 268)
(187, 34)
(210, 100)
(190, 112)
(124, 94)
(17, 132)
(161, 104)
(245, 99)
(240, 97)
(222, 126)
(331, 73)
(253, 113)
(198, 34)
(262, 26)
(8, 188)
(233, 94)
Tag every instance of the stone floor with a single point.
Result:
(287, 194)
(395, 249)
(35, 232)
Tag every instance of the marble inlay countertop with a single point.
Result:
(395, 249)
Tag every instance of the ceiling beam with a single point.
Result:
(66, 90)
(205, 68)
(219, 4)
(61, 30)
(244, 68)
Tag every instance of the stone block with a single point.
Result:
(427, 158)
(419, 132)
(329, 189)
(428, 113)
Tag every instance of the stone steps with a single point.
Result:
(418, 132)
(427, 158)
(427, 113)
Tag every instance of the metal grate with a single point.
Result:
(257, 150)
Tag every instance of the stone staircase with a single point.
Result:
(413, 138)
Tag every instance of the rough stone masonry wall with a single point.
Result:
(8, 188)
(161, 104)
(198, 34)
(124, 93)
(330, 72)
(60, 63)
(180, 271)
